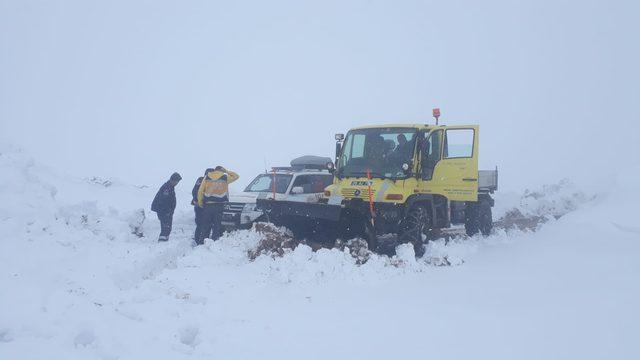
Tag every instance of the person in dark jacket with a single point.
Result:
(164, 204)
(212, 195)
(196, 208)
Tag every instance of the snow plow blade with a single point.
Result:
(319, 222)
(278, 209)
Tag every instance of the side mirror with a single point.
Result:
(406, 167)
(297, 190)
(331, 167)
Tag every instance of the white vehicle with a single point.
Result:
(303, 181)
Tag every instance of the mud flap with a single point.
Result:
(372, 237)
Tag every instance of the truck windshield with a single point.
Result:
(382, 151)
(264, 183)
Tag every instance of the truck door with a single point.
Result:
(458, 170)
(450, 163)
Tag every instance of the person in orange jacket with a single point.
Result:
(194, 201)
(212, 195)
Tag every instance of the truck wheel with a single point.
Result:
(485, 218)
(413, 226)
(355, 225)
(472, 218)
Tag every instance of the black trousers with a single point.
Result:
(199, 215)
(211, 222)
(166, 221)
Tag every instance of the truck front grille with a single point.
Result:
(234, 207)
(351, 193)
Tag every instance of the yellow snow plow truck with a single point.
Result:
(408, 180)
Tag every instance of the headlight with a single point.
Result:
(249, 207)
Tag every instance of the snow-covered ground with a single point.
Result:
(82, 277)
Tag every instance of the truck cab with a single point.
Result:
(303, 181)
(394, 170)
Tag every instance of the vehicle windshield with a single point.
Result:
(382, 151)
(264, 183)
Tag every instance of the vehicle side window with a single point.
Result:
(303, 181)
(264, 183)
(323, 182)
(313, 184)
(458, 143)
(431, 153)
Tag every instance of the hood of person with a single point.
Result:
(216, 174)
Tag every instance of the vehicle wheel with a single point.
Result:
(413, 226)
(472, 218)
(355, 225)
(485, 218)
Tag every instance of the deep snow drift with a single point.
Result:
(82, 277)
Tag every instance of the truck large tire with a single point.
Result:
(355, 225)
(485, 218)
(478, 218)
(415, 224)
(472, 218)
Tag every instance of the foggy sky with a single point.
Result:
(139, 89)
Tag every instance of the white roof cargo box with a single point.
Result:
(310, 162)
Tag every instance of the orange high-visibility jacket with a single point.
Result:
(215, 187)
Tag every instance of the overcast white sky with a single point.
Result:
(139, 89)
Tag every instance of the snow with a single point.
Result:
(77, 282)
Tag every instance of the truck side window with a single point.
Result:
(458, 143)
(358, 146)
(353, 149)
(431, 153)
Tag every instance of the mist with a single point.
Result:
(138, 90)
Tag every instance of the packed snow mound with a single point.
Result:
(96, 180)
(24, 189)
(527, 211)
(274, 241)
(36, 198)
(278, 241)
(553, 200)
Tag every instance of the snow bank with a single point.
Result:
(553, 200)
(529, 210)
